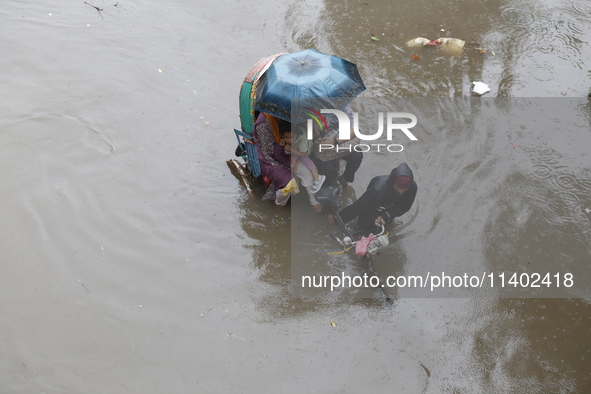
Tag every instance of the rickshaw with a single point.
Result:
(246, 167)
(270, 86)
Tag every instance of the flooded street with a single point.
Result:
(134, 262)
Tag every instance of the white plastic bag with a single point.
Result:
(417, 42)
(451, 46)
(480, 88)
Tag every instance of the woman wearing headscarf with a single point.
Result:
(386, 197)
(275, 163)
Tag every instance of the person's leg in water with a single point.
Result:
(285, 186)
(306, 180)
(353, 163)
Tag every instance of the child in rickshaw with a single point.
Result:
(299, 148)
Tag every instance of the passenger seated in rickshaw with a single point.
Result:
(298, 149)
(328, 160)
(275, 163)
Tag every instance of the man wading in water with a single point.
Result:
(386, 197)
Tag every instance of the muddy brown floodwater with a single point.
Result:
(133, 262)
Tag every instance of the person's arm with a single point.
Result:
(294, 151)
(328, 137)
(280, 156)
(403, 207)
(360, 207)
(350, 212)
(328, 141)
(348, 138)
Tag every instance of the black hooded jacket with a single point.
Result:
(380, 199)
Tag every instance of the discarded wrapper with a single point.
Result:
(417, 42)
(452, 46)
(480, 88)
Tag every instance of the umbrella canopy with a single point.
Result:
(331, 81)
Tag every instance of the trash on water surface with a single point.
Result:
(417, 42)
(453, 46)
(480, 88)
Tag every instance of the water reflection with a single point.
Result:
(270, 227)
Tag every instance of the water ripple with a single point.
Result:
(548, 35)
(578, 8)
(542, 73)
(541, 171)
(565, 206)
(584, 180)
(548, 156)
(565, 181)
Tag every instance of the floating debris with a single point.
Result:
(426, 370)
(480, 88)
(417, 42)
(84, 286)
(96, 8)
(453, 46)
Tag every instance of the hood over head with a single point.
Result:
(402, 170)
